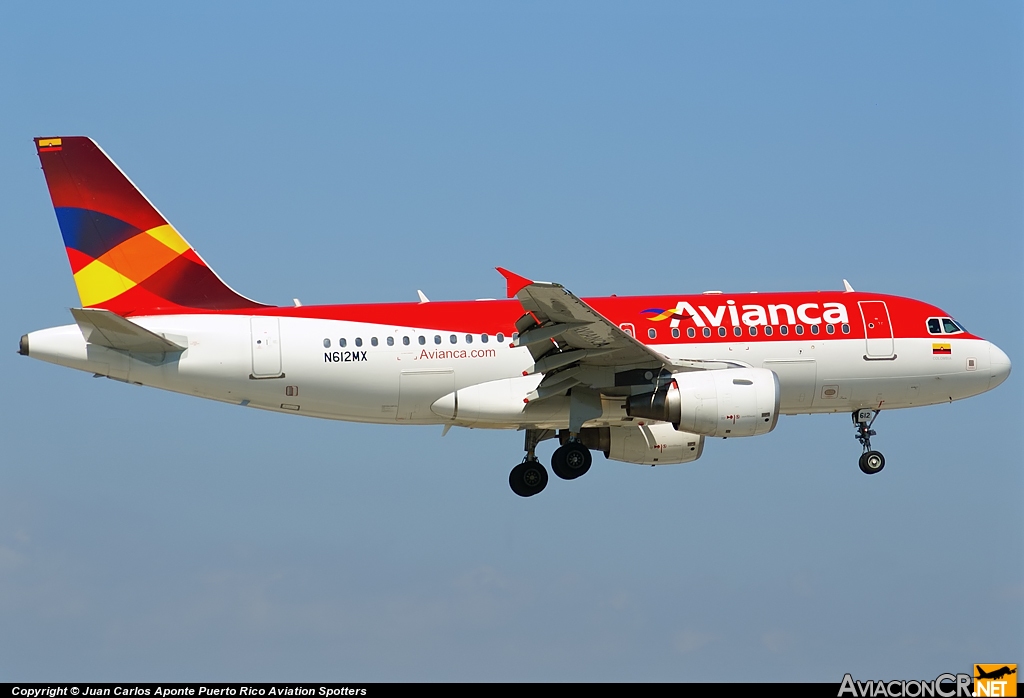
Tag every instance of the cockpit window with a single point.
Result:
(944, 325)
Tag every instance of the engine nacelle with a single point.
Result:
(656, 443)
(728, 402)
(653, 444)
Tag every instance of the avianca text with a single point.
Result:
(753, 315)
(457, 354)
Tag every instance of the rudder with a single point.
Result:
(124, 255)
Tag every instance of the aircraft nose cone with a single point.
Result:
(1000, 364)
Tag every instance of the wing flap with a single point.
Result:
(574, 346)
(568, 324)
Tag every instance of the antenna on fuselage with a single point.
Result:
(423, 297)
(846, 284)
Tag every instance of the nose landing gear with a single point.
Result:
(871, 461)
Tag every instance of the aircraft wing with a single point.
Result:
(561, 318)
(572, 343)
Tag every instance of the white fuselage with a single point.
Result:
(284, 364)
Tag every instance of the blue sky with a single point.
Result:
(356, 153)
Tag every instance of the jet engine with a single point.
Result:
(649, 444)
(728, 402)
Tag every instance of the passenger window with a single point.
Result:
(707, 331)
(783, 330)
(469, 339)
(675, 333)
(391, 341)
(830, 328)
(934, 326)
(327, 344)
(453, 339)
(737, 331)
(799, 329)
(949, 327)
(753, 331)
(690, 332)
(405, 341)
(768, 331)
(814, 329)
(373, 341)
(652, 333)
(423, 339)
(483, 338)
(359, 341)
(515, 336)
(500, 337)
(437, 339)
(846, 329)
(721, 331)
(342, 343)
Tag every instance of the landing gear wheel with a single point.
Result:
(528, 478)
(571, 460)
(872, 462)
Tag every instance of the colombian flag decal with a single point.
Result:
(941, 350)
(47, 145)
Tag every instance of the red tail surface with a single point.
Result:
(124, 254)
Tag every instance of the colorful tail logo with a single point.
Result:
(124, 254)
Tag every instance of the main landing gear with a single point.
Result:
(871, 462)
(569, 461)
(530, 477)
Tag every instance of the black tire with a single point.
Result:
(571, 460)
(872, 462)
(558, 463)
(528, 478)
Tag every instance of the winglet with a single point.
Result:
(515, 282)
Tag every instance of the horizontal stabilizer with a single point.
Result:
(109, 329)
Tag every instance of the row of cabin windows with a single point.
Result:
(652, 333)
(738, 331)
(421, 339)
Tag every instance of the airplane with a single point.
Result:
(643, 379)
(996, 674)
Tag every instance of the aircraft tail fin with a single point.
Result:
(124, 255)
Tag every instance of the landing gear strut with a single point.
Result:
(530, 477)
(871, 462)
